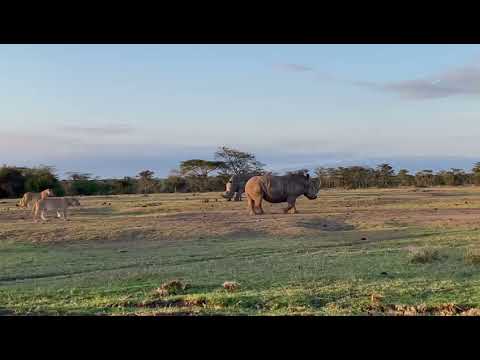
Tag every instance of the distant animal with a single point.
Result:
(31, 197)
(278, 189)
(236, 186)
(60, 205)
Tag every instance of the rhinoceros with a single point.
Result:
(236, 186)
(278, 189)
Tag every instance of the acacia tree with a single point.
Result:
(174, 182)
(125, 185)
(196, 171)
(145, 180)
(80, 184)
(385, 174)
(237, 162)
(459, 176)
(404, 178)
(445, 178)
(424, 178)
(476, 173)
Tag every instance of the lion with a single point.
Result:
(31, 197)
(60, 205)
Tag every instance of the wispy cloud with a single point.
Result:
(105, 130)
(294, 67)
(463, 80)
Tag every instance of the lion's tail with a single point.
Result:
(22, 202)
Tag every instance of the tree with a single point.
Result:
(424, 178)
(200, 168)
(404, 178)
(12, 182)
(459, 176)
(124, 186)
(74, 176)
(196, 172)
(476, 173)
(145, 180)
(385, 174)
(41, 178)
(81, 184)
(476, 167)
(174, 182)
(444, 178)
(237, 162)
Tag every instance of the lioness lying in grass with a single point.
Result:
(60, 205)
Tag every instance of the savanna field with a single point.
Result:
(402, 251)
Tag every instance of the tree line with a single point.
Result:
(194, 175)
(384, 176)
(199, 175)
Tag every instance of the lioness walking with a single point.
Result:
(60, 205)
(31, 197)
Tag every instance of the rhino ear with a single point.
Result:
(308, 176)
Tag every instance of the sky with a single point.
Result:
(114, 110)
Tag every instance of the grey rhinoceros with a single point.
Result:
(236, 186)
(277, 189)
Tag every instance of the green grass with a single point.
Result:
(327, 260)
(277, 276)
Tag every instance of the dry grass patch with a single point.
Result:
(472, 256)
(423, 255)
(172, 287)
(448, 309)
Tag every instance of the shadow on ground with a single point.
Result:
(6, 312)
(325, 224)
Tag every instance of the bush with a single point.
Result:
(423, 255)
(39, 179)
(12, 182)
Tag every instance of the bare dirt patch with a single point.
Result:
(170, 216)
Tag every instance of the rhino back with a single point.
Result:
(279, 188)
(239, 181)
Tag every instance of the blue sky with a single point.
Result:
(114, 110)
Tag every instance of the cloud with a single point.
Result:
(100, 130)
(463, 80)
(295, 67)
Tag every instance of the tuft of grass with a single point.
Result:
(472, 256)
(171, 287)
(423, 255)
(231, 286)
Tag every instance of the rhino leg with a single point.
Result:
(258, 205)
(291, 205)
(255, 205)
(227, 196)
(251, 209)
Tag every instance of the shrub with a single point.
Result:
(423, 255)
